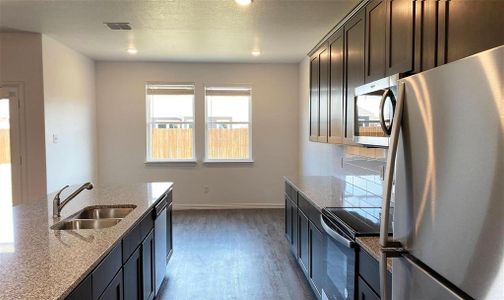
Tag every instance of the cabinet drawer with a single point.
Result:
(365, 292)
(291, 193)
(310, 211)
(369, 270)
(137, 234)
(106, 270)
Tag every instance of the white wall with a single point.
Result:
(21, 62)
(121, 135)
(70, 114)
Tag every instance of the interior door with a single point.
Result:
(10, 147)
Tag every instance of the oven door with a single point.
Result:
(340, 254)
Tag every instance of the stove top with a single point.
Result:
(356, 221)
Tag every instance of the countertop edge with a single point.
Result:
(286, 178)
(372, 247)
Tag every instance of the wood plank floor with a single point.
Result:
(232, 254)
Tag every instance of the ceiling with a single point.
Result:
(180, 30)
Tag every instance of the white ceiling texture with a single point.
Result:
(180, 30)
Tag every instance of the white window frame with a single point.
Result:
(150, 160)
(230, 160)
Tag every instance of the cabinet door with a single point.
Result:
(317, 248)
(294, 235)
(132, 271)
(336, 85)
(375, 40)
(288, 219)
(84, 291)
(148, 266)
(354, 67)
(467, 27)
(324, 95)
(426, 20)
(114, 290)
(399, 36)
(365, 292)
(304, 242)
(314, 98)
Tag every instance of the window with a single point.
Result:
(228, 124)
(170, 122)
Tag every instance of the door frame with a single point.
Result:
(16, 89)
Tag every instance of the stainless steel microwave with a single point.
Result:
(374, 106)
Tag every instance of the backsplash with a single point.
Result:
(363, 169)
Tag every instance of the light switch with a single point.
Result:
(55, 138)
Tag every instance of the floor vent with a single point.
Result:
(118, 25)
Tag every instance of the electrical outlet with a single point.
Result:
(55, 138)
(206, 189)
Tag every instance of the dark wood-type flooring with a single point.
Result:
(232, 254)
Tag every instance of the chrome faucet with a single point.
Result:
(58, 204)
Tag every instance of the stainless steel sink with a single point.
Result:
(97, 213)
(76, 224)
(93, 217)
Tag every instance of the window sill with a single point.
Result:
(229, 161)
(171, 162)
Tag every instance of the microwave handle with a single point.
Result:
(387, 93)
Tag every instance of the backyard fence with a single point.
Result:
(4, 146)
(176, 143)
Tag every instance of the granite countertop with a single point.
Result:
(40, 263)
(330, 191)
(372, 246)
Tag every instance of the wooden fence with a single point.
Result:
(4, 146)
(176, 143)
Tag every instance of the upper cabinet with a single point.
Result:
(336, 87)
(467, 27)
(381, 38)
(354, 31)
(319, 95)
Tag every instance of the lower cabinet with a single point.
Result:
(132, 278)
(148, 282)
(304, 242)
(84, 291)
(114, 290)
(365, 292)
(317, 254)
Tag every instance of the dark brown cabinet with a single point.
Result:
(319, 96)
(132, 271)
(114, 290)
(354, 30)
(336, 88)
(314, 98)
(375, 40)
(399, 37)
(317, 269)
(468, 27)
(365, 292)
(147, 254)
(303, 242)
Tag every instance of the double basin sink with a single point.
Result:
(93, 217)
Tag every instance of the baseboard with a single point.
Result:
(181, 206)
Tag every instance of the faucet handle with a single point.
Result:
(59, 193)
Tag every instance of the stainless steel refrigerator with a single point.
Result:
(446, 158)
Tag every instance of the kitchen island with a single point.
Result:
(42, 263)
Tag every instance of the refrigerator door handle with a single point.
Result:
(385, 241)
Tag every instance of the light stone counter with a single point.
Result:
(39, 263)
(329, 191)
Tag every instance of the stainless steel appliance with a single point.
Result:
(342, 225)
(448, 151)
(374, 106)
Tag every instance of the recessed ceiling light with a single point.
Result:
(244, 2)
(256, 53)
(132, 51)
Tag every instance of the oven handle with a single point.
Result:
(335, 235)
